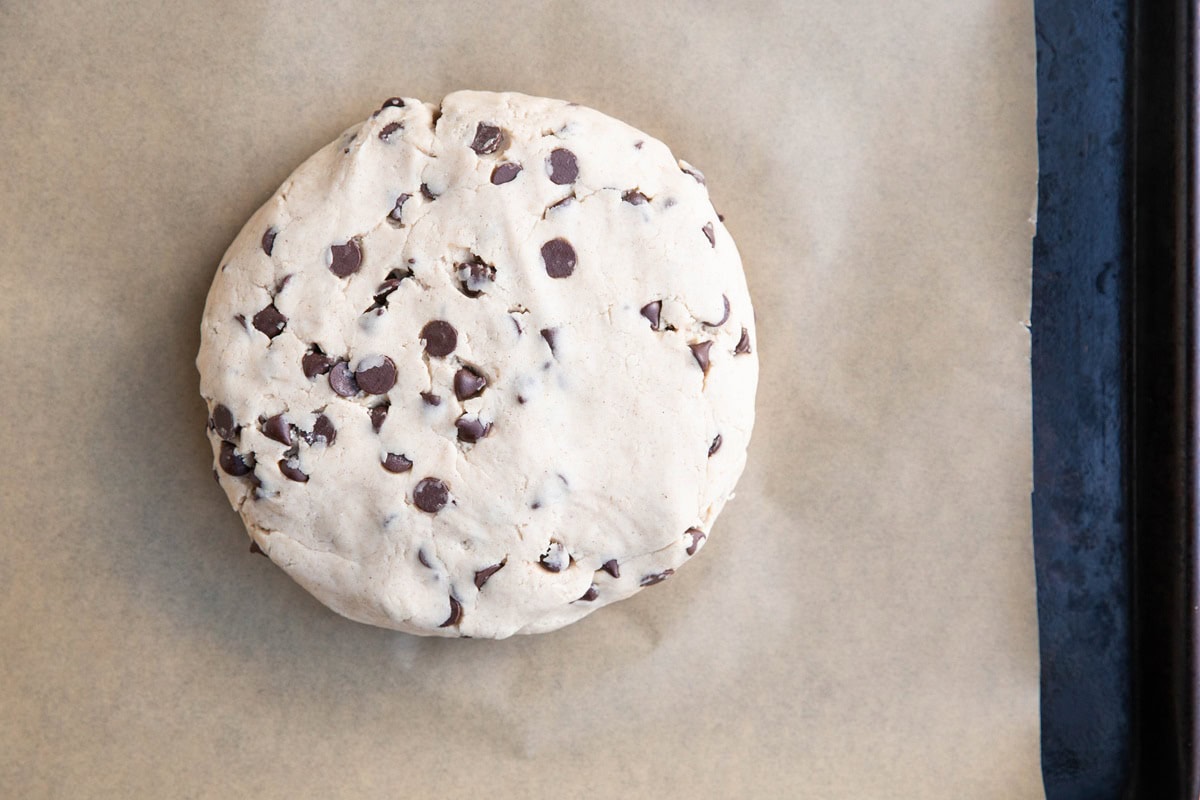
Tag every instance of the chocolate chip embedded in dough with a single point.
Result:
(590, 595)
(277, 428)
(724, 318)
(555, 559)
(487, 139)
(481, 576)
(715, 446)
(700, 353)
(550, 335)
(657, 577)
(424, 559)
(386, 132)
(396, 214)
(505, 173)
(270, 321)
(397, 462)
(341, 380)
(223, 422)
(697, 535)
(562, 166)
(233, 462)
(268, 240)
(378, 415)
(468, 383)
(612, 567)
(345, 259)
(559, 258)
(427, 193)
(652, 312)
(377, 378)
(431, 399)
(710, 234)
(290, 467)
(474, 276)
(743, 345)
(695, 173)
(635, 198)
(471, 429)
(315, 363)
(456, 614)
(392, 102)
(431, 495)
(323, 431)
(440, 338)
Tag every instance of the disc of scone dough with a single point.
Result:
(481, 368)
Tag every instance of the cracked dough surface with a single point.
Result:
(586, 425)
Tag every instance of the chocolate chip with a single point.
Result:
(241, 318)
(612, 567)
(378, 377)
(743, 345)
(268, 240)
(455, 614)
(397, 211)
(423, 559)
(426, 193)
(550, 335)
(720, 217)
(506, 172)
(696, 535)
(277, 428)
(474, 276)
(715, 446)
(563, 167)
(315, 363)
(323, 431)
(700, 353)
(345, 259)
(223, 422)
(555, 559)
(559, 257)
(724, 317)
(392, 102)
(440, 338)
(487, 139)
(341, 380)
(431, 399)
(471, 430)
(657, 577)
(270, 321)
(695, 173)
(386, 132)
(652, 311)
(638, 144)
(481, 577)
(431, 495)
(254, 548)
(378, 415)
(566, 201)
(232, 462)
(635, 198)
(290, 467)
(396, 462)
(216, 477)
(590, 595)
(468, 383)
(709, 234)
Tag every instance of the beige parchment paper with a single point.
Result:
(861, 624)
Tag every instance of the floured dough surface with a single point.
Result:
(481, 369)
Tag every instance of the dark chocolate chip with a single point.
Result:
(396, 462)
(710, 234)
(323, 431)
(471, 430)
(315, 363)
(424, 561)
(506, 172)
(474, 276)
(268, 240)
(431, 399)
(341, 380)
(270, 321)
(283, 282)
(277, 428)
(559, 258)
(345, 259)
(700, 353)
(555, 559)
(481, 577)
(378, 415)
(468, 383)
(455, 614)
(720, 217)
(392, 102)
(431, 495)
(638, 144)
(612, 567)
(241, 318)
(377, 379)
(695, 173)
(564, 168)
(715, 446)
(254, 548)
(724, 317)
(657, 577)
(550, 335)
(290, 467)
(652, 311)
(743, 345)
(232, 462)
(696, 535)
(440, 338)
(397, 211)
(635, 198)
(386, 132)
(590, 595)
(566, 201)
(487, 139)
(426, 193)
(223, 422)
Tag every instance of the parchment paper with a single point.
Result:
(861, 624)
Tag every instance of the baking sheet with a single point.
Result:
(861, 623)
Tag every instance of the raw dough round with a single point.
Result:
(481, 368)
